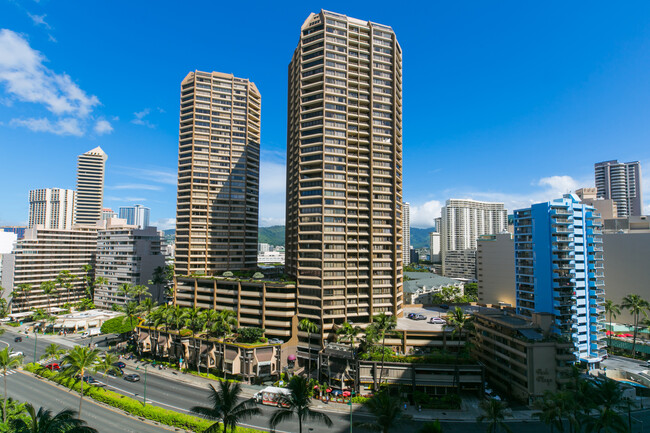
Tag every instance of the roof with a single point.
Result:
(531, 334)
(426, 279)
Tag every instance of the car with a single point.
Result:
(119, 365)
(444, 306)
(53, 366)
(13, 355)
(132, 377)
(275, 341)
(92, 381)
(437, 321)
(419, 317)
(18, 340)
(410, 315)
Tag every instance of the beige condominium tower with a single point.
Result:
(90, 187)
(344, 173)
(218, 174)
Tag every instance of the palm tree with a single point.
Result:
(88, 279)
(8, 361)
(609, 398)
(636, 305)
(79, 361)
(105, 364)
(139, 291)
(309, 327)
(348, 333)
(14, 409)
(195, 322)
(612, 310)
(160, 278)
(43, 421)
(147, 306)
(298, 403)
(49, 290)
(225, 407)
(458, 320)
(494, 414)
(384, 324)
(551, 411)
(99, 283)
(386, 410)
(178, 317)
(21, 291)
(65, 279)
(131, 311)
(53, 351)
(223, 327)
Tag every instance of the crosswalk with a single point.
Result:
(9, 372)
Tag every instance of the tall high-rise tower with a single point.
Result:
(406, 233)
(218, 174)
(90, 187)
(344, 173)
(137, 215)
(621, 182)
(559, 270)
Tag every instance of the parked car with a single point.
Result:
(444, 306)
(437, 321)
(53, 366)
(132, 377)
(92, 381)
(275, 341)
(18, 340)
(119, 365)
(13, 355)
(419, 317)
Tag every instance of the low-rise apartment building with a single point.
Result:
(522, 357)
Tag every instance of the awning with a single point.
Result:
(264, 363)
(68, 324)
(93, 323)
(531, 334)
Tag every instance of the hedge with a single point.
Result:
(118, 325)
(129, 405)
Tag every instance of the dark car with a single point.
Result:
(132, 377)
(54, 366)
(119, 365)
(18, 340)
(444, 306)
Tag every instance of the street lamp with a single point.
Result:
(145, 385)
(35, 340)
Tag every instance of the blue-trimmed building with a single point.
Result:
(559, 270)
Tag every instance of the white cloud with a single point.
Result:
(165, 223)
(424, 215)
(65, 126)
(103, 127)
(27, 79)
(39, 20)
(141, 186)
(140, 118)
(545, 189)
(162, 175)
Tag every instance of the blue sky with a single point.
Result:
(507, 101)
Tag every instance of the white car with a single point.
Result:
(438, 321)
(13, 355)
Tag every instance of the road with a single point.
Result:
(40, 393)
(181, 396)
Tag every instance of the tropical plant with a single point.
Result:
(384, 325)
(8, 361)
(99, 283)
(80, 360)
(42, 421)
(348, 333)
(250, 334)
(85, 304)
(431, 427)
(49, 290)
(65, 280)
(21, 292)
(15, 409)
(552, 411)
(140, 291)
(106, 364)
(147, 305)
(177, 317)
(161, 277)
(609, 399)
(226, 407)
(309, 327)
(53, 351)
(298, 404)
(386, 411)
(636, 305)
(195, 322)
(459, 321)
(131, 312)
(88, 281)
(612, 310)
(494, 415)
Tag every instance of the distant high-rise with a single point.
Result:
(621, 182)
(344, 232)
(218, 174)
(90, 187)
(406, 233)
(53, 208)
(108, 213)
(559, 270)
(137, 215)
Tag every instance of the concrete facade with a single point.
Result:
(218, 174)
(137, 215)
(90, 187)
(52, 208)
(406, 233)
(460, 264)
(621, 182)
(496, 269)
(126, 255)
(434, 247)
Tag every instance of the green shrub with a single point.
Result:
(360, 399)
(13, 324)
(117, 325)
(250, 334)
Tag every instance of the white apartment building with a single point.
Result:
(406, 233)
(90, 187)
(126, 254)
(40, 257)
(53, 208)
(434, 247)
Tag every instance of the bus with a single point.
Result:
(272, 396)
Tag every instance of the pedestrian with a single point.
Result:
(404, 405)
(419, 408)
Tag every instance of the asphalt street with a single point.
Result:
(40, 393)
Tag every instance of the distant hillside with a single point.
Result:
(420, 237)
(273, 235)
